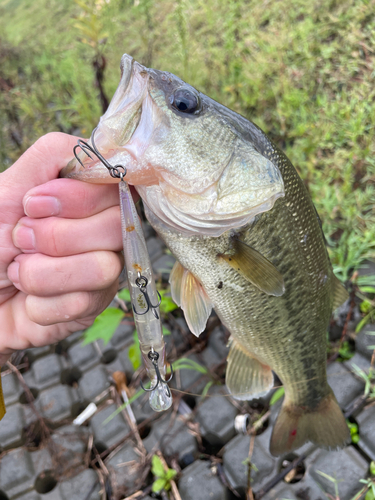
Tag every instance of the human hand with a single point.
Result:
(59, 264)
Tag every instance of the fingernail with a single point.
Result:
(24, 237)
(13, 272)
(41, 206)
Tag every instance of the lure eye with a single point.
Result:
(185, 101)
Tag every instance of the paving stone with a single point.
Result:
(30, 495)
(163, 265)
(126, 364)
(358, 360)
(11, 388)
(16, 472)
(304, 489)
(216, 417)
(198, 482)
(83, 356)
(47, 370)
(218, 341)
(142, 409)
(346, 465)
(366, 423)
(364, 341)
(70, 445)
(125, 471)
(172, 437)
(56, 402)
(122, 335)
(80, 486)
(37, 352)
(211, 358)
(344, 384)
(191, 380)
(93, 382)
(111, 432)
(236, 469)
(11, 428)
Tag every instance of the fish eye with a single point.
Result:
(185, 101)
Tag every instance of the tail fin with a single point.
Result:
(324, 426)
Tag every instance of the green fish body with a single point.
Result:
(248, 241)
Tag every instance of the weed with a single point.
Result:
(162, 477)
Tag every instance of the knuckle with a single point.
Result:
(110, 268)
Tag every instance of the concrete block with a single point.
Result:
(199, 482)
(37, 352)
(11, 428)
(236, 468)
(218, 341)
(70, 445)
(366, 423)
(11, 388)
(344, 384)
(83, 356)
(172, 437)
(122, 335)
(346, 465)
(56, 402)
(191, 380)
(83, 486)
(47, 370)
(358, 360)
(125, 471)
(126, 364)
(216, 416)
(108, 433)
(16, 472)
(304, 489)
(93, 382)
(211, 358)
(364, 341)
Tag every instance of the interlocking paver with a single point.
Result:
(93, 382)
(83, 356)
(344, 384)
(125, 469)
(16, 472)
(47, 370)
(347, 466)
(366, 423)
(364, 342)
(56, 402)
(216, 417)
(235, 461)
(11, 427)
(11, 388)
(111, 432)
(83, 486)
(199, 482)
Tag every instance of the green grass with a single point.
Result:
(305, 74)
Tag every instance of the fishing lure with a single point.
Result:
(144, 296)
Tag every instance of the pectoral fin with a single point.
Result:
(255, 268)
(340, 294)
(175, 279)
(246, 377)
(189, 294)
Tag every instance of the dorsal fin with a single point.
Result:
(254, 267)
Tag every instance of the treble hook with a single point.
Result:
(153, 356)
(85, 146)
(142, 283)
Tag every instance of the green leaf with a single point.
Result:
(189, 364)
(104, 326)
(167, 305)
(277, 395)
(170, 474)
(124, 295)
(158, 485)
(206, 388)
(157, 467)
(372, 468)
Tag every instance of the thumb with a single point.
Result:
(41, 163)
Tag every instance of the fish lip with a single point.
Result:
(130, 70)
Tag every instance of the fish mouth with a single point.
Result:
(115, 131)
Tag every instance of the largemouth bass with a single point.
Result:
(247, 238)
